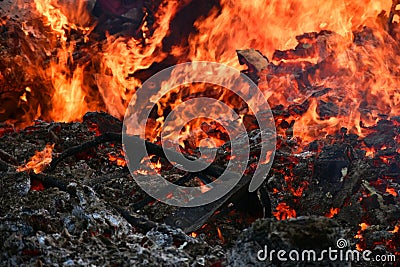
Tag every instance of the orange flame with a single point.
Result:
(362, 77)
(204, 188)
(39, 161)
(68, 99)
(395, 230)
(391, 191)
(118, 160)
(193, 234)
(220, 236)
(57, 16)
(363, 227)
(284, 212)
(332, 212)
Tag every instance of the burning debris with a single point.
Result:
(67, 195)
(39, 161)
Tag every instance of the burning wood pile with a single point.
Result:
(67, 74)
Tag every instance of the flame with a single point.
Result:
(362, 77)
(193, 234)
(270, 25)
(232, 25)
(39, 161)
(332, 212)
(59, 16)
(204, 188)
(243, 24)
(391, 191)
(220, 236)
(360, 246)
(284, 212)
(157, 165)
(395, 230)
(119, 160)
(123, 56)
(363, 227)
(68, 99)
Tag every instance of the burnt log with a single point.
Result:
(254, 60)
(331, 166)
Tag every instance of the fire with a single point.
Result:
(123, 56)
(391, 191)
(204, 188)
(68, 98)
(57, 16)
(363, 227)
(220, 236)
(230, 25)
(270, 25)
(332, 212)
(284, 212)
(157, 165)
(39, 161)
(395, 230)
(360, 245)
(119, 160)
(370, 152)
(193, 234)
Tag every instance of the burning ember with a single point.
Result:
(39, 161)
(284, 212)
(69, 69)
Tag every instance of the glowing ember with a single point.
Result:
(141, 172)
(370, 152)
(36, 186)
(396, 229)
(39, 161)
(360, 246)
(332, 212)
(157, 165)
(119, 160)
(193, 234)
(363, 226)
(284, 212)
(391, 191)
(220, 236)
(204, 188)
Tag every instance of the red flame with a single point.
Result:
(332, 212)
(284, 212)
